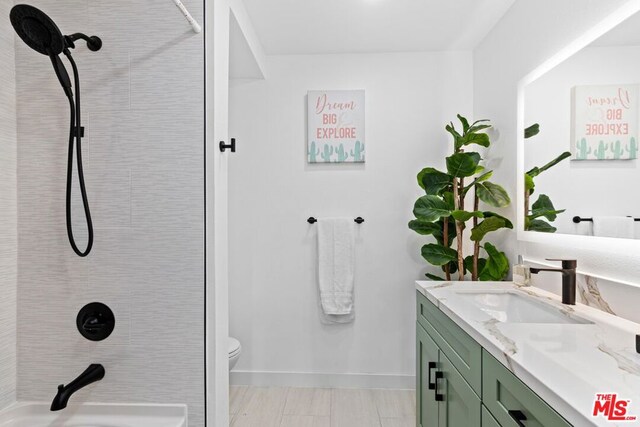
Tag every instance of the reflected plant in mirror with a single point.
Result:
(543, 207)
(587, 99)
(442, 213)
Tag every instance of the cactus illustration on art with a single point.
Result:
(582, 150)
(313, 153)
(358, 152)
(327, 152)
(342, 155)
(632, 148)
(617, 150)
(601, 151)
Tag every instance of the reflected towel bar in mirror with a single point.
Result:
(312, 220)
(578, 220)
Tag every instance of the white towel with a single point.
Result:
(336, 238)
(613, 226)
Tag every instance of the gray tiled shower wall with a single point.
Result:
(8, 211)
(143, 108)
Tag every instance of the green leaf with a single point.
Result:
(438, 255)
(492, 194)
(434, 277)
(528, 182)
(541, 226)
(452, 130)
(433, 181)
(555, 161)
(497, 266)
(465, 123)
(463, 164)
(488, 225)
(533, 172)
(453, 267)
(476, 126)
(544, 207)
(485, 176)
(538, 170)
(507, 222)
(440, 235)
(468, 263)
(420, 176)
(423, 227)
(449, 200)
(546, 214)
(481, 139)
(532, 130)
(430, 208)
(464, 216)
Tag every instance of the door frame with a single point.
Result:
(216, 30)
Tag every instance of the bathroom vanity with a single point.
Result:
(497, 354)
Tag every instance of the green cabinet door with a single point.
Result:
(459, 406)
(426, 356)
(487, 418)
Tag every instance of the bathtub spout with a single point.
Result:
(93, 373)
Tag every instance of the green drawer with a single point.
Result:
(503, 392)
(462, 350)
(487, 418)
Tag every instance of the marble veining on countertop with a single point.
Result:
(565, 364)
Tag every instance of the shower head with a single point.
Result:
(41, 34)
(37, 30)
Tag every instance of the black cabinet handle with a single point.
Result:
(432, 385)
(518, 416)
(232, 146)
(438, 397)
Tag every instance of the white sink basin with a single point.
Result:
(512, 307)
(94, 415)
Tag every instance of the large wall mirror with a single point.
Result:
(579, 124)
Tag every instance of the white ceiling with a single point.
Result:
(625, 34)
(353, 26)
(242, 61)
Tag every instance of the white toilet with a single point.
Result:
(234, 352)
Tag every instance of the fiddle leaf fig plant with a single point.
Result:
(542, 207)
(442, 213)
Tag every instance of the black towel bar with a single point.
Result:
(578, 220)
(312, 220)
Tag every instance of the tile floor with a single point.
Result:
(316, 407)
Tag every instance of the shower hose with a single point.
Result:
(75, 135)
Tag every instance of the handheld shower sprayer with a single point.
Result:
(41, 34)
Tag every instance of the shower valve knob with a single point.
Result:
(95, 321)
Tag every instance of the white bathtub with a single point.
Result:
(94, 415)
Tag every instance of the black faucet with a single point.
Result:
(93, 373)
(568, 271)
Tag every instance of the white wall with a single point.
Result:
(8, 210)
(273, 286)
(583, 188)
(529, 34)
(143, 108)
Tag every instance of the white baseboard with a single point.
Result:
(307, 379)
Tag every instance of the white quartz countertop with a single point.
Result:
(565, 364)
